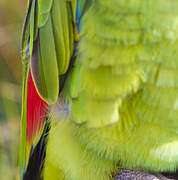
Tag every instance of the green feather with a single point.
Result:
(49, 63)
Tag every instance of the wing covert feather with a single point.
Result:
(47, 46)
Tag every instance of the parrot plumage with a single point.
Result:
(100, 89)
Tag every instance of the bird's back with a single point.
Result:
(125, 77)
(122, 92)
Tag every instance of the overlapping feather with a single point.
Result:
(47, 46)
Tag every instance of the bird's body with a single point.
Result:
(121, 93)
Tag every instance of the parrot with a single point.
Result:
(100, 90)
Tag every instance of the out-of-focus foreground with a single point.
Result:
(11, 21)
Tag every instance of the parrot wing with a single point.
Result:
(50, 31)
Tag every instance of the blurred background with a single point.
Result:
(12, 14)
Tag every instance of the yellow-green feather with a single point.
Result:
(122, 93)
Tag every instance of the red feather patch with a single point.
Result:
(37, 110)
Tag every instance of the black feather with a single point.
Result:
(36, 161)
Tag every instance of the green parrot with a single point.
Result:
(100, 89)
